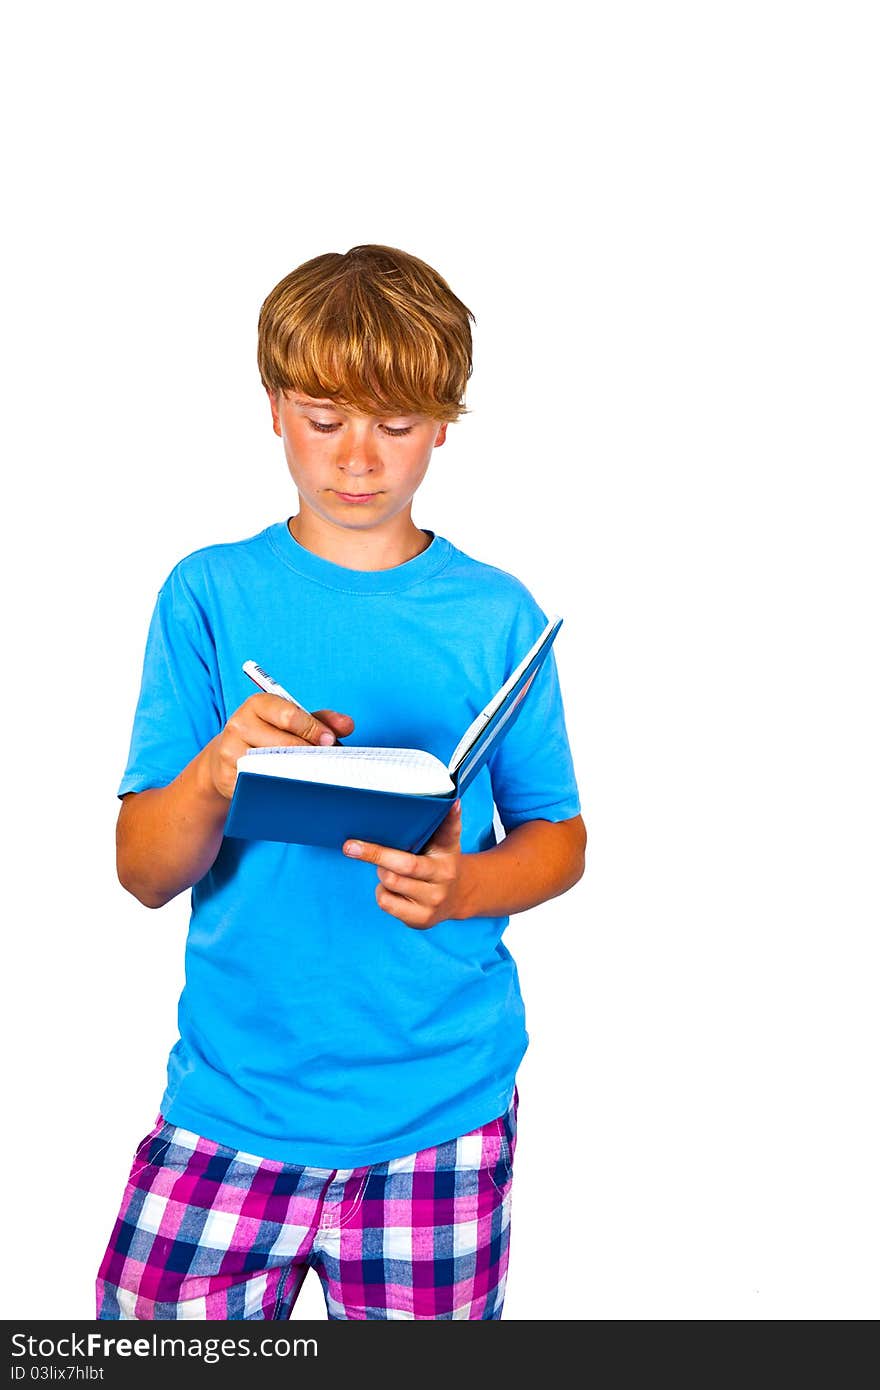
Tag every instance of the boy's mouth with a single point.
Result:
(356, 496)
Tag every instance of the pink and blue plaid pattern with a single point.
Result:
(207, 1231)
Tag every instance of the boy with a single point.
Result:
(342, 1093)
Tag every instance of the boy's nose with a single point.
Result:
(358, 456)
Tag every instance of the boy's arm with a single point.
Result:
(167, 838)
(537, 860)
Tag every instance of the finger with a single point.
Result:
(405, 911)
(400, 861)
(343, 724)
(280, 714)
(418, 891)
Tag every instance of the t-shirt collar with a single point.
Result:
(388, 581)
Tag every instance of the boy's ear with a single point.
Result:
(441, 435)
(273, 403)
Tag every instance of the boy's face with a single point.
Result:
(356, 471)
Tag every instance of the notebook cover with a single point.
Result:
(293, 811)
(316, 813)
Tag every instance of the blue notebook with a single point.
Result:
(391, 796)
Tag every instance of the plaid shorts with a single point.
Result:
(206, 1231)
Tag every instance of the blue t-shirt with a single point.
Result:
(316, 1028)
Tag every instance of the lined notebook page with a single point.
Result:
(379, 769)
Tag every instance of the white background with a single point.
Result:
(665, 220)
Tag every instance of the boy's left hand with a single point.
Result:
(420, 889)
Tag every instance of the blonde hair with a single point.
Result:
(375, 330)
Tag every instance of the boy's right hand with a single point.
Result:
(266, 721)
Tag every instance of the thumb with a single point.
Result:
(447, 836)
(342, 723)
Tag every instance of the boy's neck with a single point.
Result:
(359, 550)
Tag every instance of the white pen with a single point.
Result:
(271, 686)
(265, 682)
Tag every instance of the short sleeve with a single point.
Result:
(532, 770)
(177, 712)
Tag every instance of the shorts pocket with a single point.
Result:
(500, 1147)
(149, 1148)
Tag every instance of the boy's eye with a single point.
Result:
(328, 429)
